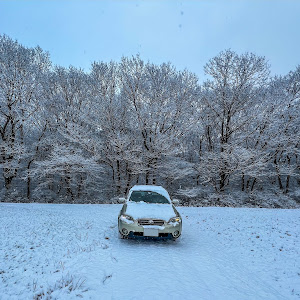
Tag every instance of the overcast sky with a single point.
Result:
(186, 33)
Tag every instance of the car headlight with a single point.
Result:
(126, 217)
(174, 220)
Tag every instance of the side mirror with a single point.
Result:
(175, 201)
(122, 200)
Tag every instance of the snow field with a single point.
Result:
(60, 251)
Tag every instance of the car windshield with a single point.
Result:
(148, 197)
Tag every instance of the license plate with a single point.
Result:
(150, 232)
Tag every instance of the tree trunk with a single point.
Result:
(7, 182)
(253, 183)
(287, 185)
(128, 171)
(118, 177)
(28, 180)
(243, 181)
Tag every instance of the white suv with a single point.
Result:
(149, 212)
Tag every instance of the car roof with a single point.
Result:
(150, 188)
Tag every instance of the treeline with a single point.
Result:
(72, 136)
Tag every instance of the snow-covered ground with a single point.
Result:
(64, 251)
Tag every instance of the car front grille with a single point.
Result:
(151, 222)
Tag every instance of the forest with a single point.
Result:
(72, 136)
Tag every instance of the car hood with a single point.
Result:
(141, 210)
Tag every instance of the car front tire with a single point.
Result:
(121, 236)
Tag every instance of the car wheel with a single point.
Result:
(121, 236)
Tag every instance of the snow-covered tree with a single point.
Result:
(228, 107)
(69, 135)
(21, 70)
(161, 105)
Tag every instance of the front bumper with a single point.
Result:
(135, 230)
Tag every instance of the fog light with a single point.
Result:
(176, 233)
(124, 231)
